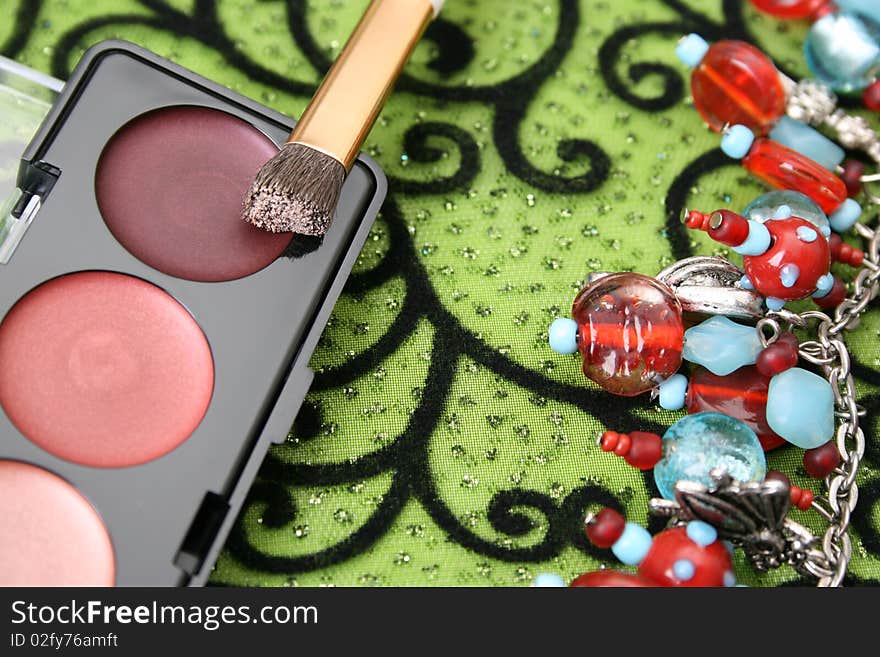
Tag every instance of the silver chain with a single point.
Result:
(828, 350)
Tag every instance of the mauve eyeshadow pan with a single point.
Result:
(50, 535)
(170, 185)
(104, 369)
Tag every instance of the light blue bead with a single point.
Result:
(729, 578)
(684, 569)
(800, 408)
(765, 207)
(774, 304)
(721, 345)
(701, 533)
(548, 580)
(824, 285)
(736, 141)
(789, 274)
(633, 544)
(699, 443)
(843, 218)
(746, 283)
(673, 392)
(691, 49)
(843, 50)
(757, 242)
(563, 335)
(806, 234)
(868, 8)
(807, 141)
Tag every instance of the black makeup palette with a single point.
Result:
(152, 344)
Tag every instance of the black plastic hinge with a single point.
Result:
(202, 533)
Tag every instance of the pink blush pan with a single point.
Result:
(50, 535)
(170, 185)
(104, 369)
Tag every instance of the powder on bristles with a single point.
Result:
(296, 191)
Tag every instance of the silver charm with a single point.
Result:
(752, 516)
(708, 285)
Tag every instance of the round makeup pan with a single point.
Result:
(50, 535)
(170, 185)
(104, 369)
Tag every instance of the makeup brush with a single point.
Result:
(298, 189)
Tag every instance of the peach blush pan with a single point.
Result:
(50, 535)
(104, 369)
(170, 185)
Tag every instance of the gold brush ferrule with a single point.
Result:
(348, 102)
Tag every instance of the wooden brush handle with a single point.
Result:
(349, 100)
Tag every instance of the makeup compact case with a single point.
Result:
(149, 356)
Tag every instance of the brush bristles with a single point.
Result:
(295, 192)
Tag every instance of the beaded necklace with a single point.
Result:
(746, 393)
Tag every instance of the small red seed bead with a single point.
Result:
(623, 444)
(776, 475)
(646, 450)
(604, 528)
(843, 252)
(806, 499)
(776, 358)
(871, 97)
(853, 170)
(609, 441)
(820, 462)
(834, 297)
(795, 493)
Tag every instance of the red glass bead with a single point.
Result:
(789, 8)
(781, 167)
(610, 578)
(812, 259)
(820, 462)
(641, 449)
(737, 83)
(834, 297)
(630, 332)
(777, 357)
(604, 528)
(801, 498)
(741, 395)
(853, 170)
(711, 562)
(871, 96)
(723, 226)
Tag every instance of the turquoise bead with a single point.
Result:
(633, 544)
(699, 443)
(729, 578)
(548, 580)
(800, 408)
(844, 217)
(721, 345)
(701, 533)
(765, 207)
(673, 392)
(867, 8)
(691, 49)
(563, 335)
(736, 141)
(807, 141)
(843, 50)
(757, 242)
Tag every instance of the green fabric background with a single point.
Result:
(401, 469)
